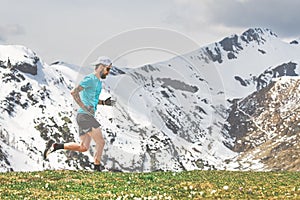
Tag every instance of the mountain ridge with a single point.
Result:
(174, 115)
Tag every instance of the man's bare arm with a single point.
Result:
(76, 96)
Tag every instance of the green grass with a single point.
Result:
(157, 185)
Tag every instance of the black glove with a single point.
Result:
(109, 102)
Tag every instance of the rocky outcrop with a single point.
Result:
(26, 68)
(265, 125)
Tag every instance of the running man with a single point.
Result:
(86, 95)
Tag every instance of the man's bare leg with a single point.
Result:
(96, 134)
(82, 147)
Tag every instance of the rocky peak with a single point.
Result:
(229, 43)
(294, 42)
(258, 35)
(235, 43)
(19, 58)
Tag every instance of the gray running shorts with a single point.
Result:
(85, 123)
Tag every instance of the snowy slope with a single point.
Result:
(170, 115)
(186, 98)
(26, 100)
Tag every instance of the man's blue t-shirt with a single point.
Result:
(90, 94)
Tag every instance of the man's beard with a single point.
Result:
(103, 76)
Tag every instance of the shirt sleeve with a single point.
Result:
(86, 82)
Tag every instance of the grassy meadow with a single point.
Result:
(156, 185)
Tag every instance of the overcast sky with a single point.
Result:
(70, 30)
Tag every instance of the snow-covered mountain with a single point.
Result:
(195, 111)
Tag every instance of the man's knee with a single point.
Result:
(83, 148)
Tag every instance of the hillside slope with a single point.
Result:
(265, 125)
(173, 115)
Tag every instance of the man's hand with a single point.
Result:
(90, 110)
(109, 102)
(76, 96)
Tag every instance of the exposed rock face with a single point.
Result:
(265, 125)
(234, 44)
(26, 68)
(265, 78)
(257, 35)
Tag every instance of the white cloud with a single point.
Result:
(10, 29)
(69, 29)
(283, 17)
